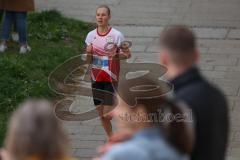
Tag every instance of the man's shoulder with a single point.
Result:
(201, 93)
(200, 86)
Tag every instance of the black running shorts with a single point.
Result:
(101, 98)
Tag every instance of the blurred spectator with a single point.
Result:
(35, 133)
(15, 11)
(151, 135)
(15, 36)
(179, 54)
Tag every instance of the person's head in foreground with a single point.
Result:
(152, 136)
(178, 50)
(35, 133)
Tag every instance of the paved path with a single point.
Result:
(217, 24)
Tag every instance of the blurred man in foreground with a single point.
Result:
(179, 54)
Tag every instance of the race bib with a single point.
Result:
(100, 62)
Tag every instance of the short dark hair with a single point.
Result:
(105, 6)
(179, 39)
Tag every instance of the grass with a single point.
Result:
(53, 39)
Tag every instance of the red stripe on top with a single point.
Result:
(102, 35)
(99, 51)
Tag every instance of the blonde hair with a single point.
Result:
(35, 131)
(105, 6)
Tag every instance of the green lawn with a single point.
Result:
(53, 39)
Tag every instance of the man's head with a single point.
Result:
(178, 47)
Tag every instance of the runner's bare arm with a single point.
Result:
(89, 50)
